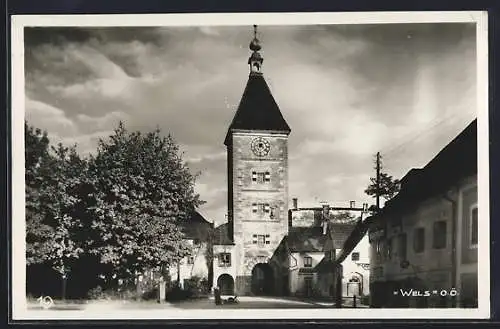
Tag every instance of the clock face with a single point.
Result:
(260, 146)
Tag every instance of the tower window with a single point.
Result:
(355, 256)
(261, 177)
(261, 208)
(261, 239)
(308, 261)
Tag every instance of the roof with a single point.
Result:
(340, 232)
(257, 109)
(358, 232)
(222, 235)
(196, 227)
(455, 161)
(312, 239)
(306, 239)
(326, 265)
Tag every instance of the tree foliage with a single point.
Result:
(122, 206)
(143, 191)
(387, 189)
(53, 179)
(386, 186)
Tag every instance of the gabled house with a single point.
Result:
(197, 235)
(426, 237)
(346, 256)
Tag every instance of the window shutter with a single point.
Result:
(254, 176)
(267, 208)
(267, 176)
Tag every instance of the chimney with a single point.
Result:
(294, 203)
(326, 211)
(325, 226)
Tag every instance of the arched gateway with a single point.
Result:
(262, 279)
(225, 282)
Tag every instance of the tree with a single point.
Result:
(143, 191)
(388, 188)
(341, 216)
(382, 185)
(53, 193)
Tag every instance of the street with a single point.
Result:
(245, 302)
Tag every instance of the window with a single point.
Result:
(308, 261)
(261, 239)
(261, 177)
(190, 260)
(439, 237)
(419, 240)
(224, 259)
(402, 246)
(389, 249)
(355, 256)
(261, 208)
(473, 228)
(331, 255)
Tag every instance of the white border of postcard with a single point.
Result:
(18, 271)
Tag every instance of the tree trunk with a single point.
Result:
(64, 281)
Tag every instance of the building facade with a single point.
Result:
(425, 239)
(257, 170)
(265, 248)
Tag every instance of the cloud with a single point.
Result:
(107, 121)
(346, 91)
(48, 117)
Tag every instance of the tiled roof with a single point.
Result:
(325, 265)
(196, 227)
(306, 239)
(312, 239)
(454, 162)
(358, 232)
(339, 233)
(222, 235)
(257, 109)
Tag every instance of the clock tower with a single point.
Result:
(257, 169)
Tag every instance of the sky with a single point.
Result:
(347, 92)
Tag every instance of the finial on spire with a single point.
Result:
(255, 60)
(255, 43)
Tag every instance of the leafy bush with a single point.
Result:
(95, 293)
(178, 294)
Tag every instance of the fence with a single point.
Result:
(355, 301)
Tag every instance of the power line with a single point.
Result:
(410, 136)
(399, 159)
(450, 119)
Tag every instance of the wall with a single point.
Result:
(431, 268)
(467, 255)
(357, 268)
(220, 270)
(245, 193)
(199, 267)
(296, 263)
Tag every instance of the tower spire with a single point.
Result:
(256, 59)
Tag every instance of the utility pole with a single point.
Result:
(378, 165)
